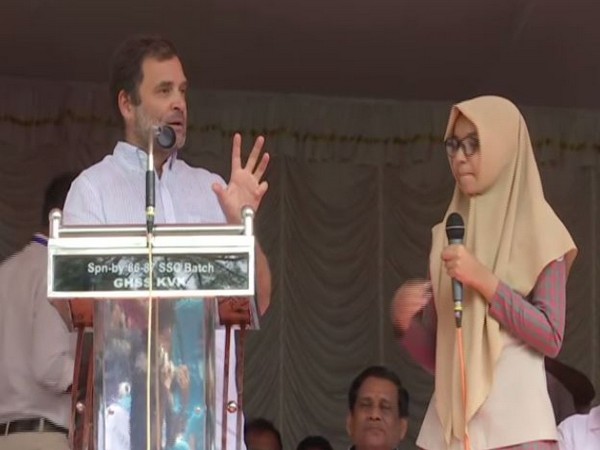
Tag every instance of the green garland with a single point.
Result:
(283, 132)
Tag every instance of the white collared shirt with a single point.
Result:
(36, 349)
(581, 431)
(114, 192)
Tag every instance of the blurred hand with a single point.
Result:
(408, 301)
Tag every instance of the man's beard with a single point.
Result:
(143, 126)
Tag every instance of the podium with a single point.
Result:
(155, 314)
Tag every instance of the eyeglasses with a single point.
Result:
(469, 145)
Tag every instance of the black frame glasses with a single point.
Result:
(469, 145)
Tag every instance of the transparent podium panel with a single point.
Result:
(150, 382)
(172, 406)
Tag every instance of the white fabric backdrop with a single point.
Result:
(355, 186)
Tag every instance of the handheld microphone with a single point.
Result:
(165, 137)
(455, 231)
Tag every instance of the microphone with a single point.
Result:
(455, 231)
(165, 137)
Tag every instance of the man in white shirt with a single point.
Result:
(148, 88)
(36, 349)
(580, 432)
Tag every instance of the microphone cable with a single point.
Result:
(463, 382)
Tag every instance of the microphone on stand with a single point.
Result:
(455, 231)
(165, 137)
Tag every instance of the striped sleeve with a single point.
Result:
(538, 320)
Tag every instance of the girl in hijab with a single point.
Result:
(513, 265)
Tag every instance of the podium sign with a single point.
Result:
(90, 276)
(156, 371)
(113, 262)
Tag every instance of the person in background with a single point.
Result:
(571, 391)
(377, 410)
(37, 351)
(581, 431)
(314, 443)
(261, 434)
